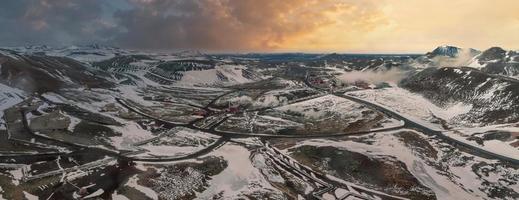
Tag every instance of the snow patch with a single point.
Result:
(146, 190)
(29, 196)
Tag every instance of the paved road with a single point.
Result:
(328, 185)
(215, 145)
(212, 128)
(325, 184)
(421, 128)
(428, 130)
(225, 136)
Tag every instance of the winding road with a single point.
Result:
(428, 130)
(282, 159)
(411, 124)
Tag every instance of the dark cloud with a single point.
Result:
(56, 22)
(221, 25)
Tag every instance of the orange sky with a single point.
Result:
(410, 26)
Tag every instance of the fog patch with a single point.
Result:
(26, 84)
(463, 58)
(373, 77)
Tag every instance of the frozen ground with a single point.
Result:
(450, 173)
(9, 97)
(233, 75)
(240, 179)
(331, 114)
(96, 101)
(282, 97)
(411, 105)
(421, 110)
(177, 142)
(255, 124)
(323, 107)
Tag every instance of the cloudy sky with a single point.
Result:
(356, 26)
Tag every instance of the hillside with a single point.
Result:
(495, 99)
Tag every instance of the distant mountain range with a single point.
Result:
(46, 69)
(101, 66)
(494, 60)
(451, 51)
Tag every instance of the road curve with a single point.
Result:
(217, 144)
(214, 131)
(427, 130)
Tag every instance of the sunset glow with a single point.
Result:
(259, 26)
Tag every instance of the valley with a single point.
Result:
(85, 123)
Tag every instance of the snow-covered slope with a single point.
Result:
(40, 73)
(494, 99)
(84, 53)
(99, 66)
(220, 75)
(497, 61)
(9, 97)
(449, 118)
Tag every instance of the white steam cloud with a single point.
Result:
(463, 58)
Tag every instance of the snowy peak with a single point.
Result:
(447, 56)
(494, 53)
(452, 51)
(496, 60)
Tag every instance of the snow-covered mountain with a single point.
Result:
(494, 99)
(446, 56)
(497, 61)
(44, 68)
(451, 51)
(41, 73)
(367, 62)
(494, 60)
(82, 53)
